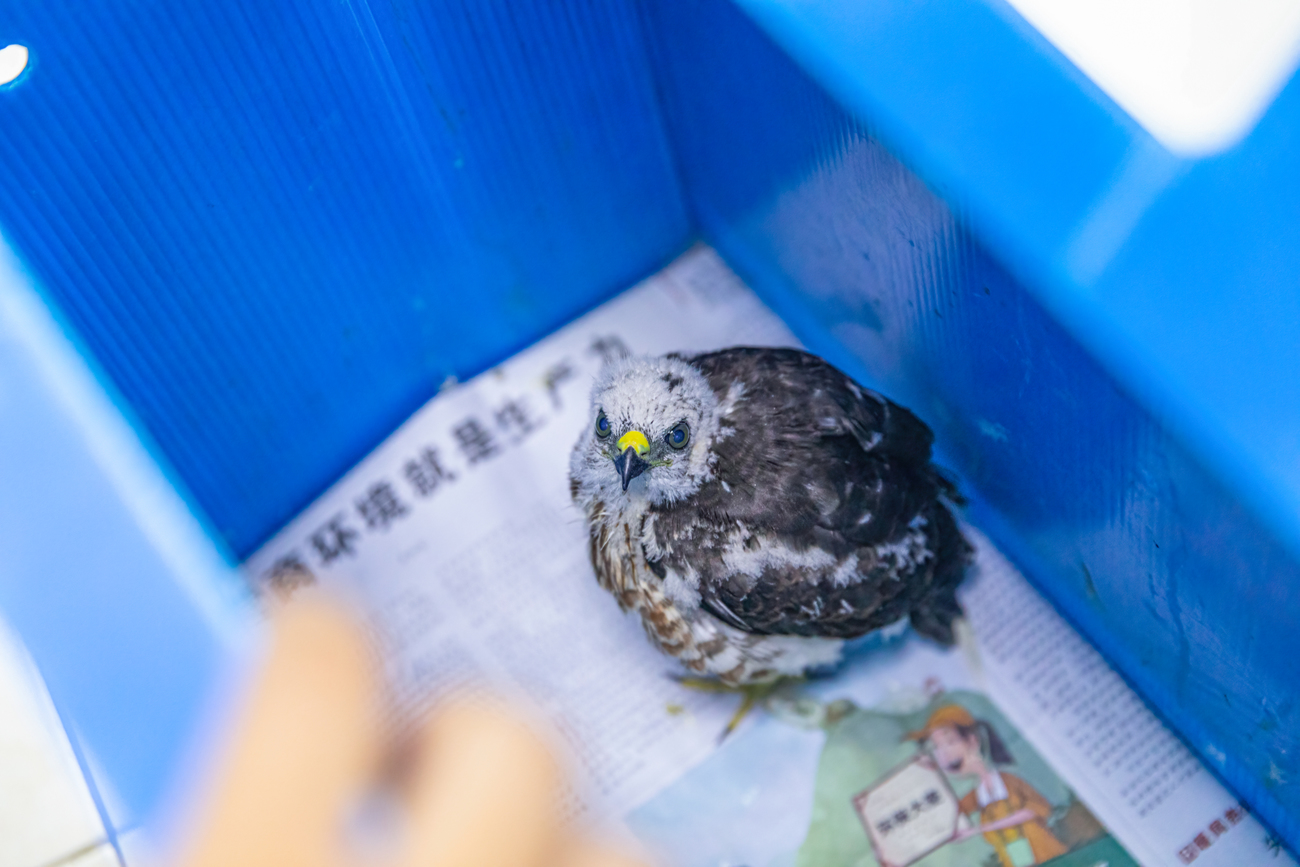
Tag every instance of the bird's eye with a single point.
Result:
(679, 436)
(602, 426)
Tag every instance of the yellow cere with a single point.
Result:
(634, 439)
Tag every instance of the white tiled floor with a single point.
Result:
(100, 856)
(47, 814)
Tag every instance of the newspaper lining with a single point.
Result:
(458, 536)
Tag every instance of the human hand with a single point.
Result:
(478, 787)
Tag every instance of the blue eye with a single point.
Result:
(679, 436)
(602, 426)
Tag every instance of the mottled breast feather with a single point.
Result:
(823, 516)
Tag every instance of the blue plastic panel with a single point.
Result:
(280, 226)
(127, 607)
(1178, 275)
(1185, 589)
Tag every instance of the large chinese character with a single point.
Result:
(514, 417)
(380, 506)
(1202, 841)
(426, 473)
(1234, 815)
(609, 347)
(559, 372)
(1218, 828)
(333, 540)
(1188, 854)
(286, 575)
(475, 441)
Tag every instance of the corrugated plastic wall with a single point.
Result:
(1178, 584)
(281, 226)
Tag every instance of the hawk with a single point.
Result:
(758, 509)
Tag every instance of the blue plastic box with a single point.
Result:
(275, 229)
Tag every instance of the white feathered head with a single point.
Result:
(649, 433)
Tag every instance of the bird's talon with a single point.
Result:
(703, 684)
(746, 705)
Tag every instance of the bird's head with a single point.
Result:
(648, 435)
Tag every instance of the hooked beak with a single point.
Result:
(630, 465)
(633, 446)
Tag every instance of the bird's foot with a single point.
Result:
(704, 684)
(749, 698)
(751, 695)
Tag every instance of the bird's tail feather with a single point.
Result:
(934, 613)
(947, 487)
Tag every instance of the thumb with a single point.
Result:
(305, 746)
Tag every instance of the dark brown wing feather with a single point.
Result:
(817, 461)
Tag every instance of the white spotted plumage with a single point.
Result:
(699, 543)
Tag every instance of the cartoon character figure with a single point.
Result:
(1011, 811)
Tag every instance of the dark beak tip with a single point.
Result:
(629, 465)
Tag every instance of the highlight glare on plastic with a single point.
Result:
(13, 60)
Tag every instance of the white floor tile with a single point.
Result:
(46, 812)
(100, 856)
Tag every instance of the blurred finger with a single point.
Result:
(303, 751)
(485, 793)
(591, 853)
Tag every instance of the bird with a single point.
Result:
(760, 510)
